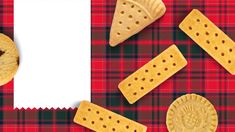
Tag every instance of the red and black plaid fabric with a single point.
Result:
(110, 65)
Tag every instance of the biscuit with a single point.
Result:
(191, 113)
(9, 59)
(152, 74)
(99, 119)
(210, 38)
(132, 16)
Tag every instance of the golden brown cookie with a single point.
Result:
(210, 38)
(99, 119)
(191, 113)
(9, 59)
(131, 16)
(152, 74)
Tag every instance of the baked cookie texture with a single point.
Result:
(100, 119)
(210, 38)
(132, 16)
(191, 113)
(9, 59)
(152, 74)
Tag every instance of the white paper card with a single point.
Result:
(53, 37)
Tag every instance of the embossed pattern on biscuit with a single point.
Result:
(99, 119)
(191, 112)
(210, 38)
(131, 16)
(152, 74)
(9, 59)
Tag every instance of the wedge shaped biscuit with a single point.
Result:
(9, 59)
(152, 74)
(131, 16)
(191, 113)
(99, 119)
(210, 38)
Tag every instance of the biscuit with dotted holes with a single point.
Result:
(100, 119)
(210, 38)
(132, 16)
(152, 74)
(9, 59)
(191, 113)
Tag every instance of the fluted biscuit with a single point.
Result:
(131, 16)
(191, 113)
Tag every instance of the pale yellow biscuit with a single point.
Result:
(210, 38)
(131, 16)
(152, 74)
(9, 59)
(191, 113)
(99, 119)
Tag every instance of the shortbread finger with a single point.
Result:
(152, 74)
(210, 38)
(100, 119)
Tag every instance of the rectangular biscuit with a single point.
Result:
(210, 38)
(99, 119)
(152, 74)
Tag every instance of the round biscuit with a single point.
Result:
(191, 113)
(9, 59)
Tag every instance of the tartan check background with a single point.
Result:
(110, 65)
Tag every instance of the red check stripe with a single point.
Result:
(110, 65)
